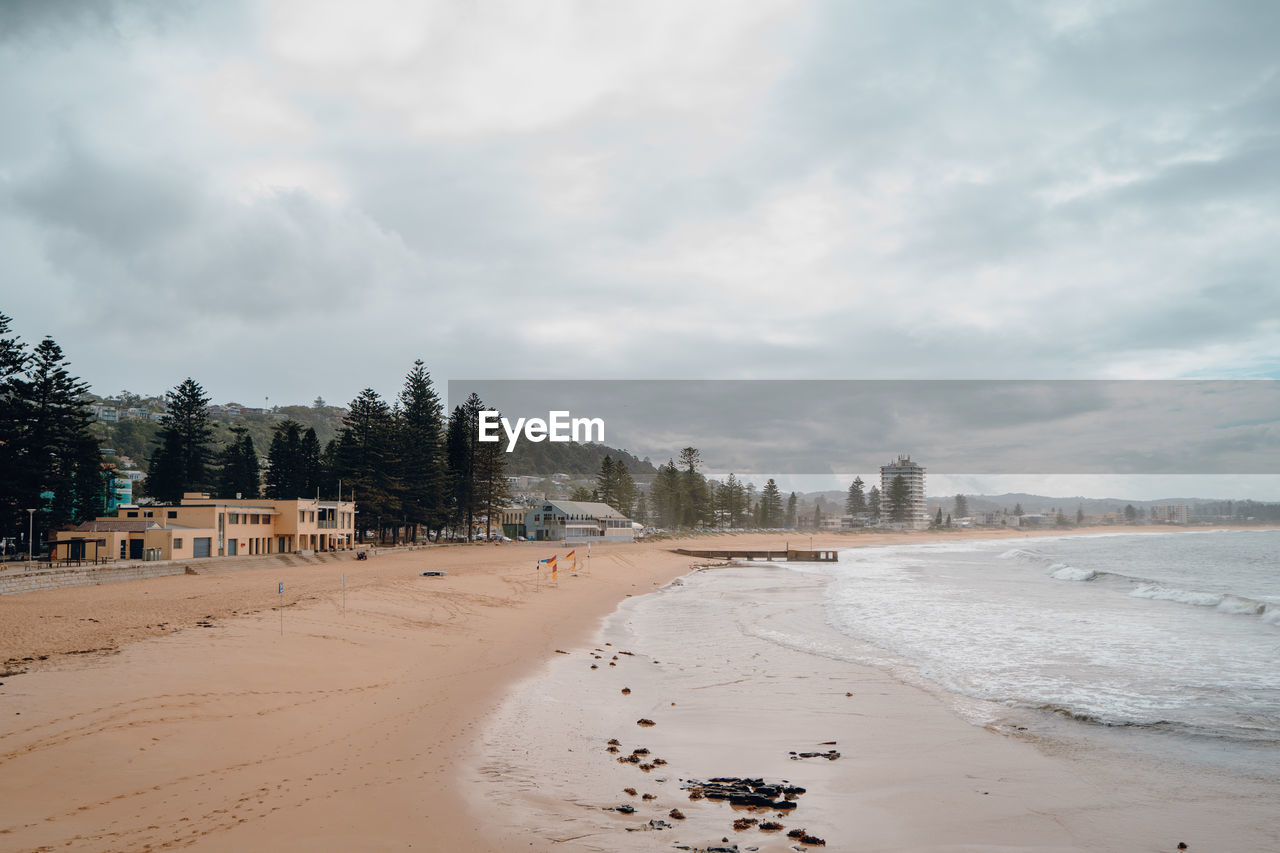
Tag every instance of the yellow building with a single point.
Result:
(201, 526)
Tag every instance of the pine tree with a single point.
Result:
(13, 402)
(873, 504)
(1080, 514)
(642, 509)
(937, 520)
(492, 489)
(791, 510)
(239, 474)
(771, 505)
(664, 496)
(695, 507)
(962, 507)
(13, 361)
(58, 467)
(626, 490)
(461, 436)
(364, 458)
(420, 436)
(285, 475)
(181, 462)
(856, 502)
(607, 482)
(312, 469)
(731, 501)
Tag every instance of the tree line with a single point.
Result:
(52, 463)
(414, 472)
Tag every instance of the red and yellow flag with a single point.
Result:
(570, 555)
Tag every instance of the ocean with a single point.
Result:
(1147, 662)
(1173, 639)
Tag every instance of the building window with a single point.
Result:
(302, 516)
(233, 518)
(177, 544)
(173, 513)
(132, 515)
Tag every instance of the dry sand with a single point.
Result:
(346, 732)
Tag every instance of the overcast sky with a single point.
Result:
(292, 199)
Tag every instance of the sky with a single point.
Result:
(295, 199)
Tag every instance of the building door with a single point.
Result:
(135, 549)
(231, 547)
(200, 546)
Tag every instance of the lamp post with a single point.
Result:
(31, 544)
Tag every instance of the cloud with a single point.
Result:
(766, 190)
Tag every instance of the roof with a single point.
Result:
(121, 525)
(587, 508)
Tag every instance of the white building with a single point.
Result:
(917, 516)
(1171, 513)
(576, 520)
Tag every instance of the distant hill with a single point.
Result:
(833, 501)
(579, 461)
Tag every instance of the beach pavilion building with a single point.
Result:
(201, 526)
(555, 521)
(917, 517)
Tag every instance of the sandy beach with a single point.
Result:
(178, 713)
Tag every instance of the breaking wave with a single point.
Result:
(1234, 605)
(1140, 587)
(1063, 572)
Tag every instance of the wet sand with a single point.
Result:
(145, 729)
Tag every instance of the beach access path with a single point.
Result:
(188, 712)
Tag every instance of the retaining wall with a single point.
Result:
(12, 582)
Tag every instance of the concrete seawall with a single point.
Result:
(13, 582)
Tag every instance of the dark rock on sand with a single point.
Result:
(770, 826)
(626, 691)
(631, 791)
(676, 814)
(645, 722)
(750, 793)
(626, 809)
(744, 823)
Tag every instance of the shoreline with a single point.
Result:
(342, 733)
(740, 699)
